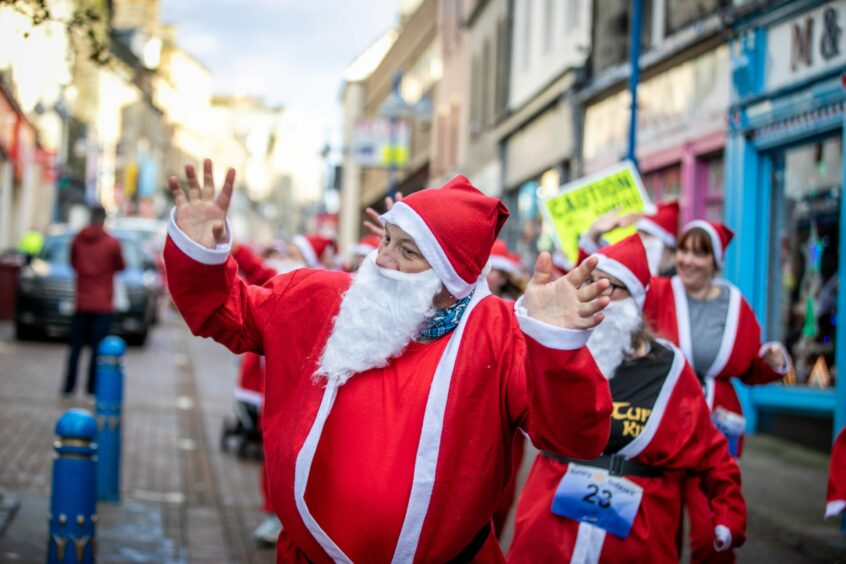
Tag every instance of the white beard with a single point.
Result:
(381, 312)
(654, 253)
(611, 340)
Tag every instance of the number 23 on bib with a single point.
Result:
(593, 496)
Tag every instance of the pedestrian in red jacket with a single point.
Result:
(96, 257)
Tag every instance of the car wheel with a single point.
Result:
(137, 339)
(25, 332)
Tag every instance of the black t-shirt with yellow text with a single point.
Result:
(634, 389)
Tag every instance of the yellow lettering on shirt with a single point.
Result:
(631, 429)
(633, 417)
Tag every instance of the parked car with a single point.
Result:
(45, 294)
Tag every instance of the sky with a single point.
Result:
(289, 52)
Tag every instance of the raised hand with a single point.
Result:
(775, 356)
(200, 215)
(609, 222)
(566, 302)
(375, 225)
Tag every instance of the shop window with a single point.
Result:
(714, 185)
(802, 308)
(663, 184)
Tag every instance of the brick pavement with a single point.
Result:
(182, 499)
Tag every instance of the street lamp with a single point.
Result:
(395, 109)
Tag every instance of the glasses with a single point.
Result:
(612, 287)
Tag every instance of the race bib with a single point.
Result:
(593, 496)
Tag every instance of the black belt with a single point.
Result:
(472, 549)
(615, 464)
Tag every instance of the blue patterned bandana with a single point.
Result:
(444, 320)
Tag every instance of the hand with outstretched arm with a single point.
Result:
(199, 215)
(571, 302)
(374, 225)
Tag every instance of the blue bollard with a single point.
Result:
(73, 507)
(108, 412)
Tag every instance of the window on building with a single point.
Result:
(682, 13)
(805, 257)
(663, 184)
(714, 169)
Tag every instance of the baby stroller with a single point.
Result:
(243, 433)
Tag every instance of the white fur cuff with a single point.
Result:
(550, 336)
(834, 507)
(196, 251)
(788, 362)
(722, 538)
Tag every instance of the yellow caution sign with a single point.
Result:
(577, 204)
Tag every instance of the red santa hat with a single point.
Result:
(719, 234)
(503, 259)
(366, 245)
(627, 261)
(312, 248)
(664, 224)
(454, 227)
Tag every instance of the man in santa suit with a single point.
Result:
(392, 397)
(624, 505)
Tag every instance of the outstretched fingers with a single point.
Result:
(176, 190)
(578, 275)
(543, 269)
(193, 184)
(208, 180)
(592, 291)
(225, 196)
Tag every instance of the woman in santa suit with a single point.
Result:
(716, 329)
(624, 505)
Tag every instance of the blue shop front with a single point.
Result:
(784, 186)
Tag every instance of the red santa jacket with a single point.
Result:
(678, 437)
(836, 495)
(250, 387)
(739, 353)
(96, 257)
(405, 462)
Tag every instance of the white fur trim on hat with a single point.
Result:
(716, 243)
(403, 216)
(361, 249)
(306, 249)
(502, 263)
(626, 276)
(647, 225)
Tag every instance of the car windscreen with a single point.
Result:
(57, 250)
